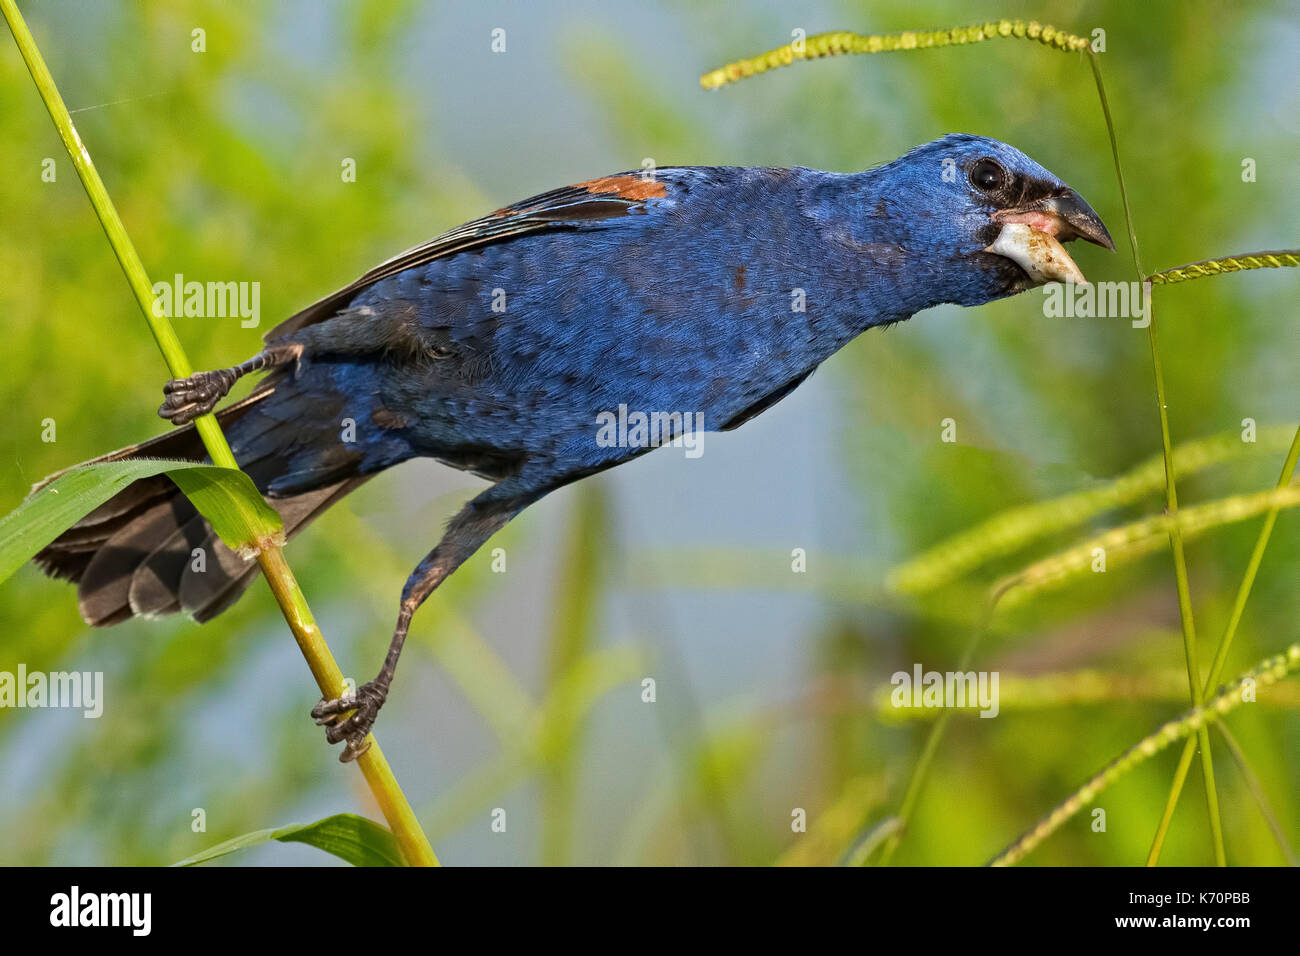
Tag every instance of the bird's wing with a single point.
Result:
(570, 207)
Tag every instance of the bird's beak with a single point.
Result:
(1032, 234)
(1063, 216)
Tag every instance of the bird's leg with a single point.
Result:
(473, 525)
(185, 399)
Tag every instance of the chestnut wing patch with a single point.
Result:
(570, 207)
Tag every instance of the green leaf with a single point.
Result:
(355, 839)
(226, 497)
(232, 504)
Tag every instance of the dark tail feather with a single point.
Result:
(134, 556)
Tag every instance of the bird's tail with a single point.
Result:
(147, 552)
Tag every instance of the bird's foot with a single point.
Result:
(185, 399)
(355, 729)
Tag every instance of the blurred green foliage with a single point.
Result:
(225, 165)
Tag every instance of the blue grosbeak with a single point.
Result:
(497, 347)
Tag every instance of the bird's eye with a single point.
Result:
(987, 175)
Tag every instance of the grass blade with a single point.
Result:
(1257, 791)
(1190, 724)
(1015, 528)
(355, 839)
(1141, 537)
(1171, 490)
(226, 497)
(1225, 642)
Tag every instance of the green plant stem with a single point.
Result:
(1171, 491)
(914, 785)
(293, 604)
(1225, 643)
(1265, 674)
(1252, 569)
(1167, 816)
(839, 42)
(1257, 791)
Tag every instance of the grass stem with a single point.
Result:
(917, 781)
(1264, 674)
(1225, 643)
(1257, 791)
(1171, 491)
(293, 604)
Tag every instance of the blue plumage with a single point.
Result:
(498, 346)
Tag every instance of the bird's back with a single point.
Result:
(715, 293)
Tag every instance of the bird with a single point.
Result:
(704, 294)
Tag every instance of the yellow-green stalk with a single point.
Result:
(293, 604)
(1190, 724)
(1225, 642)
(840, 42)
(1224, 264)
(1171, 488)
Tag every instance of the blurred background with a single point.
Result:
(523, 690)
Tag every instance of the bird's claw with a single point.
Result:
(355, 728)
(185, 399)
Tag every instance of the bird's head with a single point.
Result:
(988, 220)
